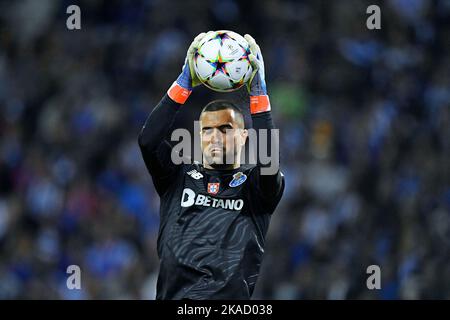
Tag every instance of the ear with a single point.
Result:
(244, 135)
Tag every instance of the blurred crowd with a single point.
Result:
(364, 118)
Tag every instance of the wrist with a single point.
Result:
(257, 87)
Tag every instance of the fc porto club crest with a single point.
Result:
(238, 179)
(213, 187)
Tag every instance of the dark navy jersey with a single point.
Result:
(212, 222)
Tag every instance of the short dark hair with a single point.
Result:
(222, 104)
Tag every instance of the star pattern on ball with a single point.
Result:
(220, 65)
(222, 36)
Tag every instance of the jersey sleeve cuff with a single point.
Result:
(178, 94)
(259, 104)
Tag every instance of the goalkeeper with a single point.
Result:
(213, 216)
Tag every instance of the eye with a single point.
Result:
(224, 128)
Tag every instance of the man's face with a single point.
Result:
(223, 135)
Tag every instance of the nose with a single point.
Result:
(216, 136)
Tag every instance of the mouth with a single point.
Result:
(216, 149)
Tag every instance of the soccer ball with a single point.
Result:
(221, 61)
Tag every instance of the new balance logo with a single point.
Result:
(195, 174)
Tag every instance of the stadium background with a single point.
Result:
(364, 118)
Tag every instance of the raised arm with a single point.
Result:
(271, 182)
(154, 136)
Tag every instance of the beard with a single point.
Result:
(218, 160)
